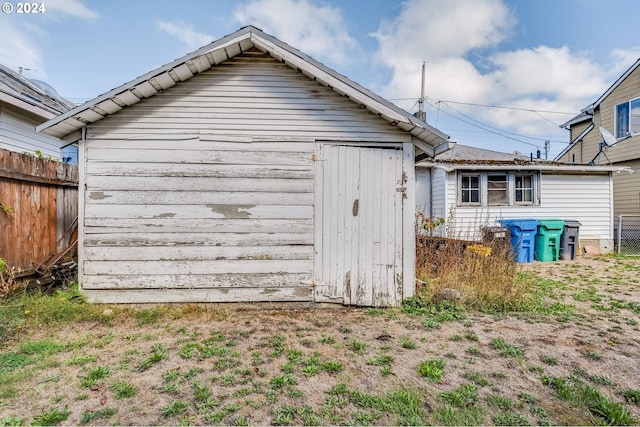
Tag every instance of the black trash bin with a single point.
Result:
(569, 240)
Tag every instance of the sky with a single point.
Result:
(499, 74)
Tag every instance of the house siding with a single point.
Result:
(206, 191)
(17, 133)
(626, 190)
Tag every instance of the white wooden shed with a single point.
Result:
(246, 171)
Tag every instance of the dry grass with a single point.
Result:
(485, 274)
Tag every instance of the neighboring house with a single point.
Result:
(607, 132)
(24, 104)
(246, 171)
(472, 188)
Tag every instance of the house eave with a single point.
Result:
(551, 168)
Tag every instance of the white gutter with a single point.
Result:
(450, 167)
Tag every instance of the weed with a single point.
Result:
(452, 416)
(406, 342)
(82, 360)
(386, 371)
(506, 350)
(11, 421)
(282, 381)
(432, 369)
(94, 376)
(591, 355)
(201, 392)
(310, 370)
(598, 405)
(498, 374)
(383, 360)
(357, 346)
(175, 408)
(471, 336)
(549, 360)
(510, 419)
(499, 402)
(171, 375)
(527, 398)
(102, 414)
(277, 343)
(52, 417)
(327, 339)
(158, 354)
(473, 351)
(631, 395)
(123, 390)
(600, 379)
(147, 316)
(476, 378)
(332, 367)
(463, 396)
(170, 388)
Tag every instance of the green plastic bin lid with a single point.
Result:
(551, 223)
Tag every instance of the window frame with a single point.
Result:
(532, 188)
(622, 129)
(460, 189)
(511, 188)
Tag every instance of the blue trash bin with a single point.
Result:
(523, 237)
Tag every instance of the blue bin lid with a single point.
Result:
(521, 223)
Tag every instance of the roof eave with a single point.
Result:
(218, 51)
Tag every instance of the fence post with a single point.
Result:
(619, 236)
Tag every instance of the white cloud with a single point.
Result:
(317, 30)
(434, 29)
(19, 49)
(185, 33)
(75, 8)
(448, 34)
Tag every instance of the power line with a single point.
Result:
(532, 110)
(499, 131)
(488, 130)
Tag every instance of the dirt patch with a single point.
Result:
(232, 365)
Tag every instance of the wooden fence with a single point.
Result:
(38, 207)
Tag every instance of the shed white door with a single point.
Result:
(358, 225)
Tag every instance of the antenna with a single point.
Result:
(421, 114)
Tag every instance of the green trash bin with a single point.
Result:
(547, 246)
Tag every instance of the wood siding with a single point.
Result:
(18, 133)
(41, 202)
(206, 191)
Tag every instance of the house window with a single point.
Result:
(470, 189)
(524, 189)
(628, 118)
(497, 189)
(492, 188)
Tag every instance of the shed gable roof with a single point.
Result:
(429, 139)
